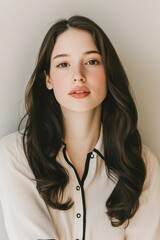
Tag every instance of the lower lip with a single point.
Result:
(79, 95)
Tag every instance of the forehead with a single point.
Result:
(74, 41)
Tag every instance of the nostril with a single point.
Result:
(79, 79)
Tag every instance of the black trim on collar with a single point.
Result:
(98, 152)
(82, 189)
(86, 168)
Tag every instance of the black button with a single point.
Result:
(78, 188)
(92, 155)
(78, 215)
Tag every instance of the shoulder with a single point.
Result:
(11, 152)
(10, 144)
(152, 169)
(10, 138)
(148, 213)
(149, 158)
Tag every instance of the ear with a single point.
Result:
(48, 81)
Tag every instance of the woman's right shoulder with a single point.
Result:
(11, 150)
(10, 142)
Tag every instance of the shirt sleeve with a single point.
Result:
(25, 213)
(146, 222)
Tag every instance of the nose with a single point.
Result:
(78, 74)
(79, 78)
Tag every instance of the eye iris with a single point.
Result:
(63, 65)
(93, 62)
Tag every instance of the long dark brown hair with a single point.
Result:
(43, 133)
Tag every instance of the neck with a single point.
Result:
(81, 130)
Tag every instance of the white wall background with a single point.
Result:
(132, 26)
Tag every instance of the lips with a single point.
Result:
(79, 92)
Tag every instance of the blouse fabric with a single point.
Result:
(27, 217)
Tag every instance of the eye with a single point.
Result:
(63, 65)
(92, 62)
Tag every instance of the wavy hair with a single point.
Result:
(43, 133)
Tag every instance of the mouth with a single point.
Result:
(80, 92)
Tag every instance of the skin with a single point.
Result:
(77, 77)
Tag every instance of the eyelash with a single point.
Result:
(61, 65)
(90, 62)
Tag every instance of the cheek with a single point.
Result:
(100, 80)
(59, 87)
(57, 81)
(57, 84)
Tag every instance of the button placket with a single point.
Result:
(78, 199)
(78, 210)
(78, 215)
(78, 188)
(92, 155)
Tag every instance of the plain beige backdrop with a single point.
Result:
(132, 26)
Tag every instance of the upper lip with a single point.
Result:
(79, 90)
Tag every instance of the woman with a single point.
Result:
(79, 170)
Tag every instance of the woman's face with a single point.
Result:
(77, 74)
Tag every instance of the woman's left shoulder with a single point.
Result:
(149, 157)
(148, 212)
(152, 168)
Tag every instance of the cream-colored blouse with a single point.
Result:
(28, 218)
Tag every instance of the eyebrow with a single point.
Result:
(67, 55)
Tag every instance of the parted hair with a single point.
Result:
(43, 132)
